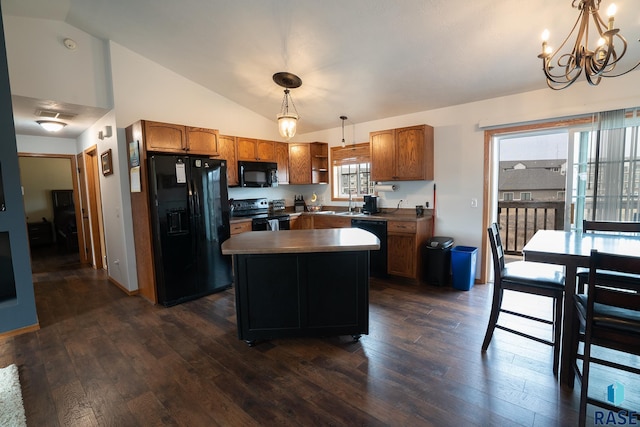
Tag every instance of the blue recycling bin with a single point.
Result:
(463, 267)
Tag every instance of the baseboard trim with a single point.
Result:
(122, 287)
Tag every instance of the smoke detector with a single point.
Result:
(70, 44)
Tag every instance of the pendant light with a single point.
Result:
(287, 121)
(343, 118)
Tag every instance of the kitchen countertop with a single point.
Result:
(300, 241)
(392, 215)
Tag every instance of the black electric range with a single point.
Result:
(262, 216)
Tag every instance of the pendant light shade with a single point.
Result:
(287, 120)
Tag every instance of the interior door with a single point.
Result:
(84, 234)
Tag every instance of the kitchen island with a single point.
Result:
(294, 283)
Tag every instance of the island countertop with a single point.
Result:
(300, 241)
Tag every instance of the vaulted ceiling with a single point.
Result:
(366, 59)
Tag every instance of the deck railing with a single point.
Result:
(519, 220)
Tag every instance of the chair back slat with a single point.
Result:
(496, 250)
(611, 226)
(606, 289)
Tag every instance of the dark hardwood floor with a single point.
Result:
(104, 358)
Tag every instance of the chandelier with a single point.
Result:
(287, 121)
(563, 66)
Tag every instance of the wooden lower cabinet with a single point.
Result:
(301, 222)
(330, 221)
(404, 247)
(240, 227)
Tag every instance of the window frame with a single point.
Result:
(353, 154)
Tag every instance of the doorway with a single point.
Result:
(50, 197)
(66, 172)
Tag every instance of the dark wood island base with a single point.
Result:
(296, 283)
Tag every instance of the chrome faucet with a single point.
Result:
(350, 194)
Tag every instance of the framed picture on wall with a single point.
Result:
(107, 165)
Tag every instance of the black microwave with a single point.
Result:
(258, 174)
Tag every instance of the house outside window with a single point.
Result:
(561, 195)
(507, 196)
(525, 196)
(351, 172)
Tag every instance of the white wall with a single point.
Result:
(44, 144)
(116, 203)
(146, 90)
(41, 67)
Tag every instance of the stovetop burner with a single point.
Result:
(253, 208)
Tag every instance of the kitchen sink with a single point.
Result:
(324, 212)
(350, 213)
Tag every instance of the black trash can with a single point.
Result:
(436, 260)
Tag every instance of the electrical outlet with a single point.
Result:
(474, 203)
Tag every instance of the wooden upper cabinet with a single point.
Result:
(382, 146)
(227, 150)
(308, 163)
(172, 138)
(202, 141)
(266, 151)
(256, 150)
(282, 159)
(299, 164)
(164, 137)
(404, 154)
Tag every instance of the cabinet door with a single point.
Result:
(164, 137)
(265, 151)
(282, 158)
(240, 227)
(401, 258)
(202, 141)
(410, 153)
(301, 222)
(227, 150)
(381, 145)
(299, 164)
(246, 148)
(331, 221)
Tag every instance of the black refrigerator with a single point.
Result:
(190, 220)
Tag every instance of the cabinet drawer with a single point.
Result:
(240, 227)
(401, 227)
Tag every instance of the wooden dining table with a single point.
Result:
(572, 249)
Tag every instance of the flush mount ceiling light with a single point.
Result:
(343, 118)
(50, 125)
(563, 66)
(287, 121)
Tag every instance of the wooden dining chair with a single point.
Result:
(607, 316)
(530, 278)
(603, 226)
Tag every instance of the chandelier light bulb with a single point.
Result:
(611, 10)
(545, 35)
